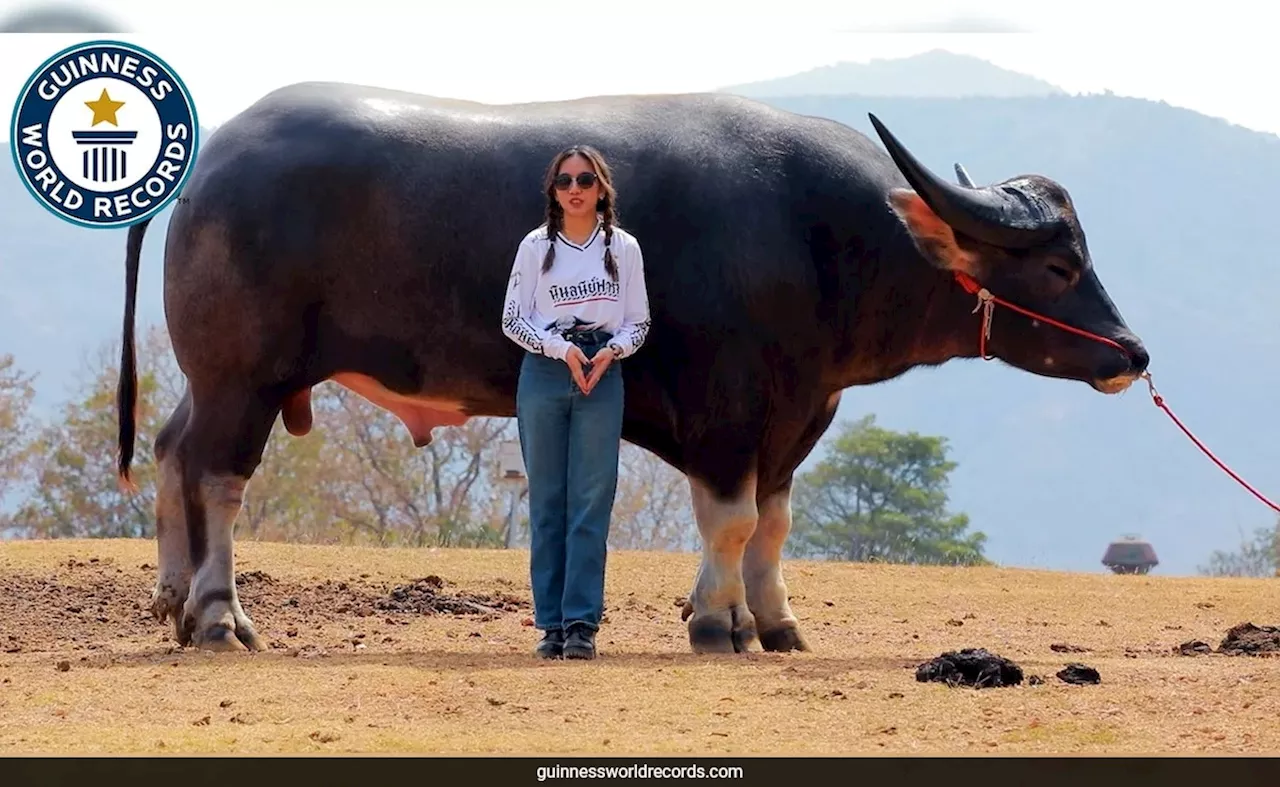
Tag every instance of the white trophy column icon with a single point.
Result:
(105, 158)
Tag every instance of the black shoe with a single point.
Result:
(551, 644)
(580, 643)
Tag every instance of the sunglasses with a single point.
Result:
(585, 180)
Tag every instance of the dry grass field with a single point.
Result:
(356, 666)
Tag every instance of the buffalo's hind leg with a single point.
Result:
(173, 574)
(218, 454)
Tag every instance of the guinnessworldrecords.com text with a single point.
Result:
(637, 771)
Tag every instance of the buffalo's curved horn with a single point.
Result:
(1001, 216)
(963, 177)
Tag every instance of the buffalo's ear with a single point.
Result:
(933, 237)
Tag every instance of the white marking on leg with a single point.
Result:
(726, 526)
(762, 564)
(222, 497)
(173, 575)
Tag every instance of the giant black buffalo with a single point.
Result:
(365, 236)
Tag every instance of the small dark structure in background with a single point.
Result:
(1130, 555)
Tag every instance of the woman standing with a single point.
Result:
(576, 302)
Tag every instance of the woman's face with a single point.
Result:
(577, 188)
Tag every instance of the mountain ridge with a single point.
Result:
(936, 73)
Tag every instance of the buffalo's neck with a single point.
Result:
(900, 313)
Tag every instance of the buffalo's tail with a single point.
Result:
(127, 389)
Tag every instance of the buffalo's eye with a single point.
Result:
(1062, 272)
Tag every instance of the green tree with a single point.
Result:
(1256, 557)
(73, 491)
(654, 507)
(16, 428)
(16, 394)
(71, 462)
(355, 478)
(880, 495)
(380, 489)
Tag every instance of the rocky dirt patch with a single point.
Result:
(97, 605)
(426, 597)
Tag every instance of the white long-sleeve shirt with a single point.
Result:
(577, 288)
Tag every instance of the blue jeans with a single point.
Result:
(570, 443)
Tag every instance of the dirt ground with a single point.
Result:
(429, 651)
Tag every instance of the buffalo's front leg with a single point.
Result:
(718, 616)
(762, 562)
(762, 573)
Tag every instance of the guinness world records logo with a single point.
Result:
(104, 134)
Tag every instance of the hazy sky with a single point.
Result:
(1221, 64)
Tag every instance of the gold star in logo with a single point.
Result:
(104, 109)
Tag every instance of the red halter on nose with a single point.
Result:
(987, 303)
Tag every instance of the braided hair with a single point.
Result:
(605, 205)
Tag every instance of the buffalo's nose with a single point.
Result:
(1138, 357)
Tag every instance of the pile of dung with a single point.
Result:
(976, 667)
(1244, 639)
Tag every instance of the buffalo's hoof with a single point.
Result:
(167, 602)
(219, 639)
(731, 630)
(222, 639)
(184, 627)
(783, 639)
(229, 633)
(248, 636)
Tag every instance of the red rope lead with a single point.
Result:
(987, 302)
(1159, 401)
